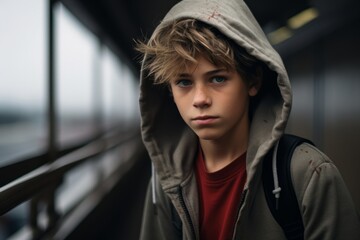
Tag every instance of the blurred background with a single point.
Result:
(72, 165)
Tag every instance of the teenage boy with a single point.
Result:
(215, 98)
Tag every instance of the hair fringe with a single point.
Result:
(176, 45)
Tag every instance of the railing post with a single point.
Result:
(48, 198)
(52, 121)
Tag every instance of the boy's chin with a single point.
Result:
(208, 136)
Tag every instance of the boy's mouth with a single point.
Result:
(204, 120)
(204, 117)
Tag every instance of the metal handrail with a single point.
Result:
(20, 167)
(32, 183)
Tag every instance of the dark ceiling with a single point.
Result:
(119, 22)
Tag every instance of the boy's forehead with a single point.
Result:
(188, 66)
(202, 64)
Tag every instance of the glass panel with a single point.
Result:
(23, 88)
(120, 92)
(13, 221)
(22, 78)
(110, 78)
(130, 97)
(76, 51)
(76, 95)
(76, 185)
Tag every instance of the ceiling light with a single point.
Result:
(279, 35)
(302, 18)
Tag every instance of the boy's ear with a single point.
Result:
(256, 83)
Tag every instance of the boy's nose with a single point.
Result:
(201, 98)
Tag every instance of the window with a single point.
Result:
(22, 78)
(23, 128)
(95, 95)
(75, 58)
(119, 92)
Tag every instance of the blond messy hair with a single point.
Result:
(178, 44)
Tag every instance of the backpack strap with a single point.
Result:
(287, 214)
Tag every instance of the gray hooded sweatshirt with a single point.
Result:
(172, 207)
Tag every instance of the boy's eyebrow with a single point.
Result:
(216, 71)
(207, 73)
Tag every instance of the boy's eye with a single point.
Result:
(218, 79)
(183, 83)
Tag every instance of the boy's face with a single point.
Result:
(212, 100)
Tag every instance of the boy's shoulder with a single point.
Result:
(308, 160)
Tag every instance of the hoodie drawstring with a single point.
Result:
(277, 189)
(153, 183)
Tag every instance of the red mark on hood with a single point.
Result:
(214, 15)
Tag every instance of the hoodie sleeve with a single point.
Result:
(327, 207)
(158, 220)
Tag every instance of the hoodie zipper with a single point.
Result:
(187, 213)
(242, 199)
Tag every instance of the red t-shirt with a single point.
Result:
(219, 195)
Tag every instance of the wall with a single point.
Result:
(326, 85)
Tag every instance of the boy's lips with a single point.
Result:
(203, 120)
(204, 117)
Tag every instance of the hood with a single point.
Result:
(171, 144)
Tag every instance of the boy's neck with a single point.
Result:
(219, 153)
